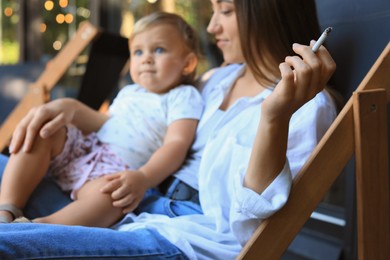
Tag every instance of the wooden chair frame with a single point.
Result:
(38, 92)
(360, 129)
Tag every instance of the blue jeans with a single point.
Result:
(43, 241)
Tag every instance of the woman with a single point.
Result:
(274, 103)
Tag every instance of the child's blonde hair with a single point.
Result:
(188, 34)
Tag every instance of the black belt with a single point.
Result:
(175, 189)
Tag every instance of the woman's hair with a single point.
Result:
(188, 34)
(268, 28)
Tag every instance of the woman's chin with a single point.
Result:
(232, 60)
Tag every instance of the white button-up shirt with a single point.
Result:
(231, 211)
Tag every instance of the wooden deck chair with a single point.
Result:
(39, 90)
(97, 81)
(360, 129)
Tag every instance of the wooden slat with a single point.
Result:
(47, 80)
(61, 62)
(372, 180)
(308, 190)
(274, 235)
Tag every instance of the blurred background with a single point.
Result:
(34, 31)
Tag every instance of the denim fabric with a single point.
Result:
(3, 162)
(42, 241)
(155, 203)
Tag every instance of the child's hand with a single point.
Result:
(127, 189)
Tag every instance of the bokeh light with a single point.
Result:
(60, 18)
(63, 3)
(49, 5)
(8, 11)
(43, 27)
(57, 45)
(68, 18)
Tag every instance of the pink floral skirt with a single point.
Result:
(83, 158)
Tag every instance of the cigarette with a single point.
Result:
(321, 40)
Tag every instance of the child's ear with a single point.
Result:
(191, 63)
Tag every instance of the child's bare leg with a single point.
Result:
(91, 208)
(24, 171)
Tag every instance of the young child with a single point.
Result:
(144, 139)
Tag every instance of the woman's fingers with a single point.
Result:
(302, 77)
(312, 70)
(315, 64)
(21, 132)
(43, 120)
(303, 74)
(18, 136)
(41, 116)
(327, 62)
(53, 125)
(28, 128)
(321, 63)
(288, 80)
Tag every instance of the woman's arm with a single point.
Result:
(302, 79)
(267, 180)
(48, 118)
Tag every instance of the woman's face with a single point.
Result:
(223, 25)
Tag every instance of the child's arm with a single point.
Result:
(128, 188)
(171, 155)
(87, 119)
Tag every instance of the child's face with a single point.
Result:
(158, 58)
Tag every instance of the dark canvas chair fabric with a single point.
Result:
(108, 56)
